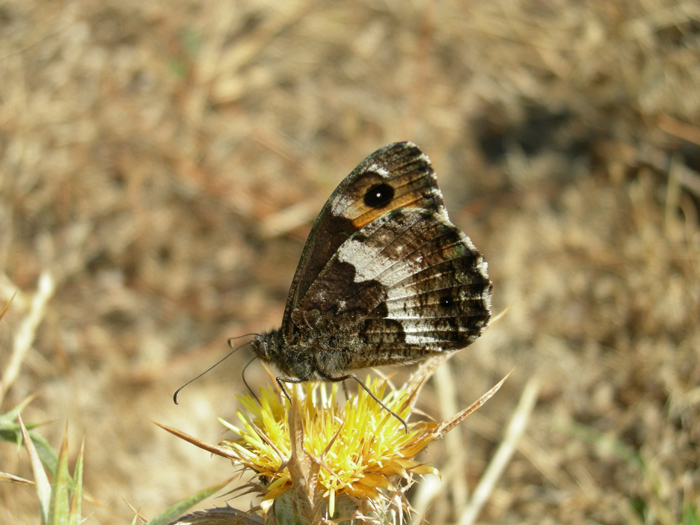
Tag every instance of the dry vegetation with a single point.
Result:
(164, 161)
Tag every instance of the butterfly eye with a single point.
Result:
(379, 195)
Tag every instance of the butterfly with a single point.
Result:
(384, 278)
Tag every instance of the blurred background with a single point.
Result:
(161, 164)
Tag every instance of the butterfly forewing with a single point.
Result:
(411, 183)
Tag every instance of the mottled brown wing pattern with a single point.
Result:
(443, 307)
(400, 176)
(384, 278)
(416, 286)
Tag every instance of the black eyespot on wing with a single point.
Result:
(446, 301)
(379, 195)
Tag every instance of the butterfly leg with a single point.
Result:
(366, 388)
(282, 380)
(346, 390)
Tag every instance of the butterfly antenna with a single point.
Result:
(280, 380)
(246, 382)
(212, 366)
(371, 394)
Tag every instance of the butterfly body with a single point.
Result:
(385, 278)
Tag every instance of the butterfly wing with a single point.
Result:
(385, 277)
(398, 176)
(437, 298)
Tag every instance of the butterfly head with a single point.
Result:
(267, 346)
(272, 349)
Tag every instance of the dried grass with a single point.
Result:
(164, 162)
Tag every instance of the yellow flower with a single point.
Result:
(315, 457)
(360, 448)
(357, 450)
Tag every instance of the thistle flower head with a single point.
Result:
(317, 458)
(358, 450)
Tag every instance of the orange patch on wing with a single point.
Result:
(366, 214)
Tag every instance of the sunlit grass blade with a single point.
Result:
(220, 516)
(60, 489)
(43, 487)
(7, 305)
(10, 416)
(10, 478)
(10, 431)
(183, 505)
(76, 503)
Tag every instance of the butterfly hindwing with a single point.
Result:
(411, 285)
